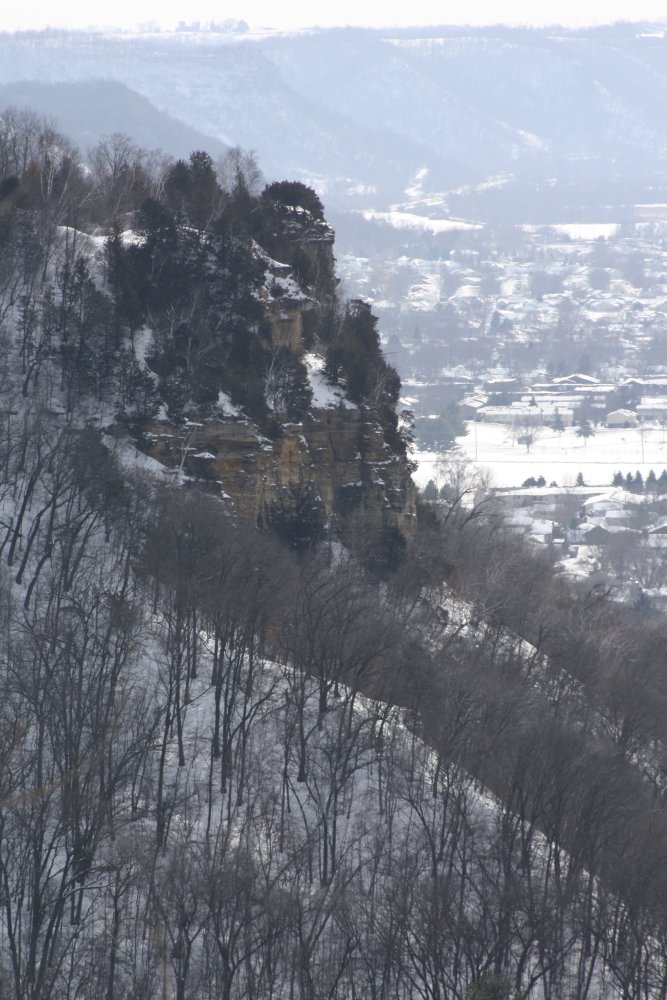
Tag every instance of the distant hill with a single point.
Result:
(88, 110)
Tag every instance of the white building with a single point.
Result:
(622, 418)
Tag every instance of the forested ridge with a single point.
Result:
(238, 762)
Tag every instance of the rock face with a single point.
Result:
(356, 473)
(341, 451)
(285, 318)
(338, 450)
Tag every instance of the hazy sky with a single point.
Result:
(300, 13)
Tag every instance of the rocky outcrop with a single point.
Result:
(285, 318)
(356, 472)
(338, 450)
(341, 451)
(305, 244)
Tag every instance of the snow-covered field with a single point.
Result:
(412, 220)
(586, 231)
(558, 457)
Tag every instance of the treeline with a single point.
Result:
(637, 484)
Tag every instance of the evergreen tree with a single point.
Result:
(294, 194)
(287, 385)
(192, 191)
(585, 429)
(579, 481)
(558, 425)
(205, 193)
(354, 357)
(178, 189)
(126, 283)
(618, 479)
(354, 354)
(651, 482)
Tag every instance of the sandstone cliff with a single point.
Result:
(341, 451)
(338, 447)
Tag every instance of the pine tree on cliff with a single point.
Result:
(354, 357)
(294, 194)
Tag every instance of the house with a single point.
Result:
(622, 418)
(599, 395)
(470, 407)
(657, 535)
(541, 531)
(615, 499)
(590, 535)
(576, 379)
(502, 385)
(618, 518)
(654, 385)
(654, 408)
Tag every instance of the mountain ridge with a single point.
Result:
(489, 93)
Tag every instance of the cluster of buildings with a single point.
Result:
(620, 535)
(545, 401)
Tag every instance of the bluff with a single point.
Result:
(304, 427)
(181, 306)
(341, 452)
